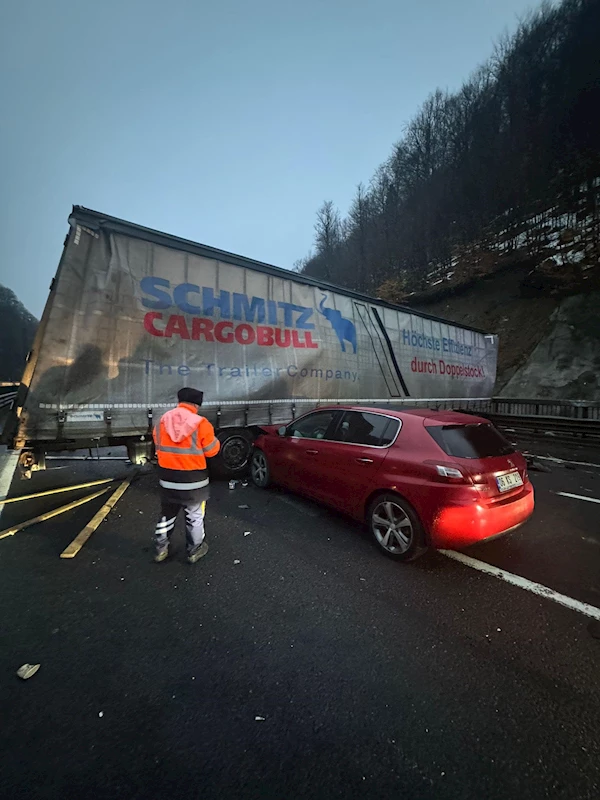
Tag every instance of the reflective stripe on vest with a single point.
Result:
(183, 486)
(194, 450)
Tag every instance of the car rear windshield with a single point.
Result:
(471, 441)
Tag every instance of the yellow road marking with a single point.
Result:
(82, 537)
(49, 514)
(55, 491)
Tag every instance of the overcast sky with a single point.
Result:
(225, 122)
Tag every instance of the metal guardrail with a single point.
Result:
(563, 419)
(566, 409)
(555, 426)
(569, 417)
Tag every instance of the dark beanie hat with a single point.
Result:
(189, 395)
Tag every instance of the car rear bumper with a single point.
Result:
(461, 525)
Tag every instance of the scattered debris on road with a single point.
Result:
(75, 487)
(259, 719)
(243, 506)
(237, 561)
(27, 671)
(534, 465)
(49, 514)
(82, 537)
(247, 533)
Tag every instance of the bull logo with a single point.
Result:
(343, 327)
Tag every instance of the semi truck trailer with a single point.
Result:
(134, 314)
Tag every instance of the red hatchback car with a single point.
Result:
(418, 478)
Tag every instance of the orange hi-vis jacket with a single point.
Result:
(184, 440)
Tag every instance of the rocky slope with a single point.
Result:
(538, 288)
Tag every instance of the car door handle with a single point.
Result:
(364, 460)
(312, 452)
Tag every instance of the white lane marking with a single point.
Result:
(523, 583)
(8, 464)
(579, 497)
(562, 460)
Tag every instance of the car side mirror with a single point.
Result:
(282, 430)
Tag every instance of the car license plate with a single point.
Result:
(509, 481)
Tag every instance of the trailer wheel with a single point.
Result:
(233, 459)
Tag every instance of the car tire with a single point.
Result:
(395, 527)
(260, 471)
(233, 459)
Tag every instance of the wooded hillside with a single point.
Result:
(506, 168)
(17, 329)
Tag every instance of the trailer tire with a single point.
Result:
(233, 460)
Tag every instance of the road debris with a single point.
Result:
(101, 714)
(247, 533)
(237, 561)
(82, 537)
(259, 719)
(49, 514)
(28, 671)
(232, 484)
(243, 506)
(534, 465)
(6, 500)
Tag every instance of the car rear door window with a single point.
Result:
(360, 427)
(312, 426)
(479, 440)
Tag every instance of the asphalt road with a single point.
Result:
(313, 668)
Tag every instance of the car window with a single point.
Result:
(480, 440)
(313, 426)
(359, 427)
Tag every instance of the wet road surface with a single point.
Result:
(313, 668)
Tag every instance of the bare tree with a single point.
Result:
(328, 237)
(522, 134)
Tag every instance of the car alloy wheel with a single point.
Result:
(259, 469)
(392, 527)
(396, 527)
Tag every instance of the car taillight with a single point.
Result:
(450, 473)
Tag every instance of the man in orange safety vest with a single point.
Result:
(183, 441)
